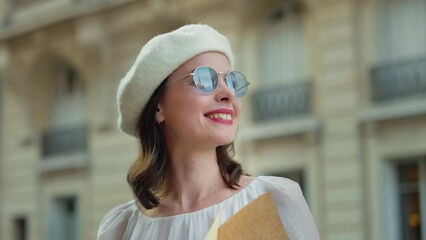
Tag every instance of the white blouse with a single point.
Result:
(128, 223)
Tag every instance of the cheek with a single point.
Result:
(237, 108)
(181, 108)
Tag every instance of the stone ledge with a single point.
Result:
(283, 128)
(62, 163)
(397, 110)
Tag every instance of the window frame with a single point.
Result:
(391, 212)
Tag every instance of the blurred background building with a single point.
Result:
(337, 102)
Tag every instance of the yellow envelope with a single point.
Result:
(258, 220)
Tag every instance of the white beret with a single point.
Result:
(156, 61)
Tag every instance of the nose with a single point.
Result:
(223, 92)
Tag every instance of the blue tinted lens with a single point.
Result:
(237, 82)
(206, 79)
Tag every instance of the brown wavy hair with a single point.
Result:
(147, 174)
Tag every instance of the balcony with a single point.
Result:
(282, 102)
(398, 80)
(403, 84)
(281, 111)
(64, 141)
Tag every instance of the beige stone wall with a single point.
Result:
(341, 146)
(18, 179)
(343, 204)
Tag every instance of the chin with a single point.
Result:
(226, 141)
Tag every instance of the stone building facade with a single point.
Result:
(337, 102)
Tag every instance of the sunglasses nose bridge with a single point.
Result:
(222, 79)
(221, 75)
(223, 88)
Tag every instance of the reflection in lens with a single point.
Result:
(238, 83)
(206, 79)
(231, 81)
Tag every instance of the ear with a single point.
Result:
(159, 114)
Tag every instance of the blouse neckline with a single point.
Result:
(248, 186)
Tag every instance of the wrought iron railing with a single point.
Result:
(282, 101)
(397, 80)
(64, 141)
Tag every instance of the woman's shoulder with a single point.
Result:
(115, 223)
(284, 191)
(280, 184)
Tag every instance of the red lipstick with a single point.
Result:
(221, 115)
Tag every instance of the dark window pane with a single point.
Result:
(409, 173)
(20, 228)
(409, 197)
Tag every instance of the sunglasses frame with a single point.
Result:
(218, 74)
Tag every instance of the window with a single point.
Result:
(69, 82)
(401, 29)
(70, 102)
(63, 223)
(282, 50)
(20, 228)
(404, 205)
(401, 51)
(409, 199)
(286, 91)
(68, 129)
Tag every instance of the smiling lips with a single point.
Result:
(221, 116)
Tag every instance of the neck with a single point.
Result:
(192, 177)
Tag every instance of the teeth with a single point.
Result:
(223, 116)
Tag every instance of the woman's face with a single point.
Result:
(192, 118)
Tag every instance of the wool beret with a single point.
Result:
(156, 61)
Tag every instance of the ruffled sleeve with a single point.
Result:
(117, 222)
(292, 207)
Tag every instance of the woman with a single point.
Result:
(181, 99)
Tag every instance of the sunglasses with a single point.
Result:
(206, 79)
